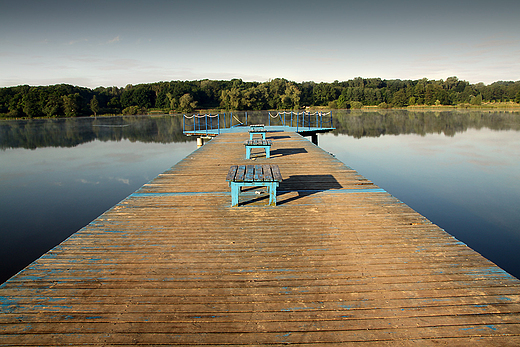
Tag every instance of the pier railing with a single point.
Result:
(303, 120)
(213, 124)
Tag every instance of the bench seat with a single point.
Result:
(258, 129)
(265, 144)
(253, 176)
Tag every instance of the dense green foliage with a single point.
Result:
(278, 94)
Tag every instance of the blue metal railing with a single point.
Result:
(208, 124)
(205, 124)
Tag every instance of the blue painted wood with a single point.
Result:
(255, 131)
(265, 144)
(253, 176)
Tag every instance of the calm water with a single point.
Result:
(459, 169)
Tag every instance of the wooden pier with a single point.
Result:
(338, 261)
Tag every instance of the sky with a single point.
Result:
(118, 42)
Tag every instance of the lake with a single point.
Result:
(460, 169)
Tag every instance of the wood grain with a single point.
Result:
(338, 261)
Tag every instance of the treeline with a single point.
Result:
(278, 94)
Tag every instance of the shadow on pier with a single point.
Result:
(292, 188)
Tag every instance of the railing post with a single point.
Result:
(246, 119)
(218, 120)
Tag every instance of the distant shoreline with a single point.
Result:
(216, 96)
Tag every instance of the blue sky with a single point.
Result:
(119, 42)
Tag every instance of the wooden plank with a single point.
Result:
(268, 176)
(277, 176)
(250, 173)
(259, 173)
(241, 171)
(231, 174)
(337, 262)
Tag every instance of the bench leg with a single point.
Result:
(235, 190)
(267, 152)
(248, 152)
(263, 136)
(272, 194)
(250, 136)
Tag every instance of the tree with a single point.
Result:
(291, 98)
(53, 106)
(476, 100)
(171, 100)
(232, 99)
(342, 101)
(400, 99)
(356, 105)
(517, 99)
(186, 103)
(71, 105)
(30, 104)
(255, 98)
(94, 105)
(114, 104)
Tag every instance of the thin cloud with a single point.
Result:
(84, 181)
(114, 40)
(123, 180)
(73, 42)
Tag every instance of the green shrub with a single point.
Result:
(356, 105)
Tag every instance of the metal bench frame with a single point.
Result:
(253, 176)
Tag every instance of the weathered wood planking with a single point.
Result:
(338, 261)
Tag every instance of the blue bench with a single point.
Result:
(257, 129)
(265, 144)
(253, 176)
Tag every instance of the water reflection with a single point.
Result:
(57, 175)
(70, 132)
(366, 123)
